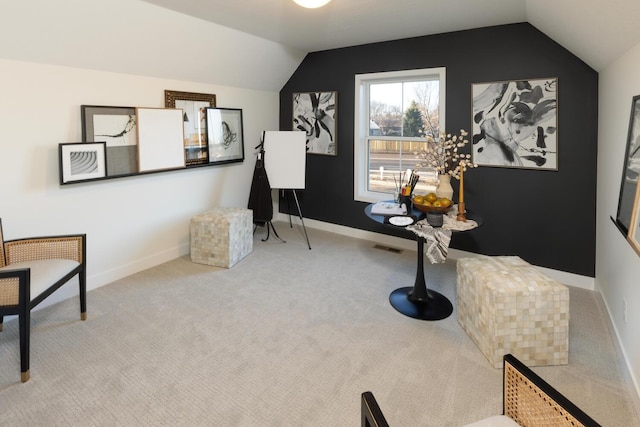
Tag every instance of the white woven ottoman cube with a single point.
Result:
(506, 305)
(222, 236)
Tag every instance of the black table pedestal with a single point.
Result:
(419, 302)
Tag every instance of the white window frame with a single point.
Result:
(361, 121)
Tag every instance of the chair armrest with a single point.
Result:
(71, 247)
(371, 415)
(13, 285)
(531, 401)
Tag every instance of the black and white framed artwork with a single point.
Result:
(315, 114)
(117, 127)
(631, 169)
(80, 161)
(515, 124)
(225, 135)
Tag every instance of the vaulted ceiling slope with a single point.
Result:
(596, 31)
(258, 44)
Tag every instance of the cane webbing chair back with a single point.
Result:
(530, 401)
(9, 291)
(2, 262)
(64, 247)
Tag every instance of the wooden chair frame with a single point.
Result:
(527, 399)
(15, 284)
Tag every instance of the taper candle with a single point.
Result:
(461, 195)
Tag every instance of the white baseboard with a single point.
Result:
(94, 281)
(629, 374)
(570, 279)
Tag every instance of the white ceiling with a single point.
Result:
(597, 31)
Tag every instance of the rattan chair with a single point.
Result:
(531, 401)
(31, 269)
(528, 401)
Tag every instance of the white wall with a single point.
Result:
(57, 56)
(135, 37)
(617, 266)
(131, 223)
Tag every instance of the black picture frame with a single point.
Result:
(630, 170)
(225, 135)
(82, 161)
(117, 127)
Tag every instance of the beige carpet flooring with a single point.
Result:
(287, 337)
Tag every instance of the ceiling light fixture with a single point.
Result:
(312, 4)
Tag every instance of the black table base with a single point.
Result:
(435, 307)
(419, 302)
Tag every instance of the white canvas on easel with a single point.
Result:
(285, 156)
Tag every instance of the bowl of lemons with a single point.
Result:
(431, 203)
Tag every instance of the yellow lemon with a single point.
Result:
(431, 197)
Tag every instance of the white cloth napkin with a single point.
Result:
(449, 221)
(437, 239)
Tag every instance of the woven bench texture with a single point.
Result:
(506, 305)
(222, 236)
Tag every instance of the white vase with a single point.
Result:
(444, 188)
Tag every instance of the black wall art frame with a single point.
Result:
(634, 230)
(515, 124)
(117, 127)
(225, 135)
(316, 114)
(81, 161)
(630, 171)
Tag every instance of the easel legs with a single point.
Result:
(270, 227)
(295, 196)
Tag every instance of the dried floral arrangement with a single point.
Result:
(445, 154)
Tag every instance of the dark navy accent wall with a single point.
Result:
(545, 217)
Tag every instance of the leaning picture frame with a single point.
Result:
(117, 127)
(630, 170)
(193, 106)
(634, 228)
(316, 114)
(82, 161)
(225, 135)
(160, 136)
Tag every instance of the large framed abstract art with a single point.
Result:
(515, 124)
(315, 113)
(628, 214)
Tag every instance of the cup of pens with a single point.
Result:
(405, 186)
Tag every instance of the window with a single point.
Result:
(394, 113)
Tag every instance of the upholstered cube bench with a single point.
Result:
(506, 305)
(222, 236)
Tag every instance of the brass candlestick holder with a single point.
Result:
(461, 209)
(461, 212)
